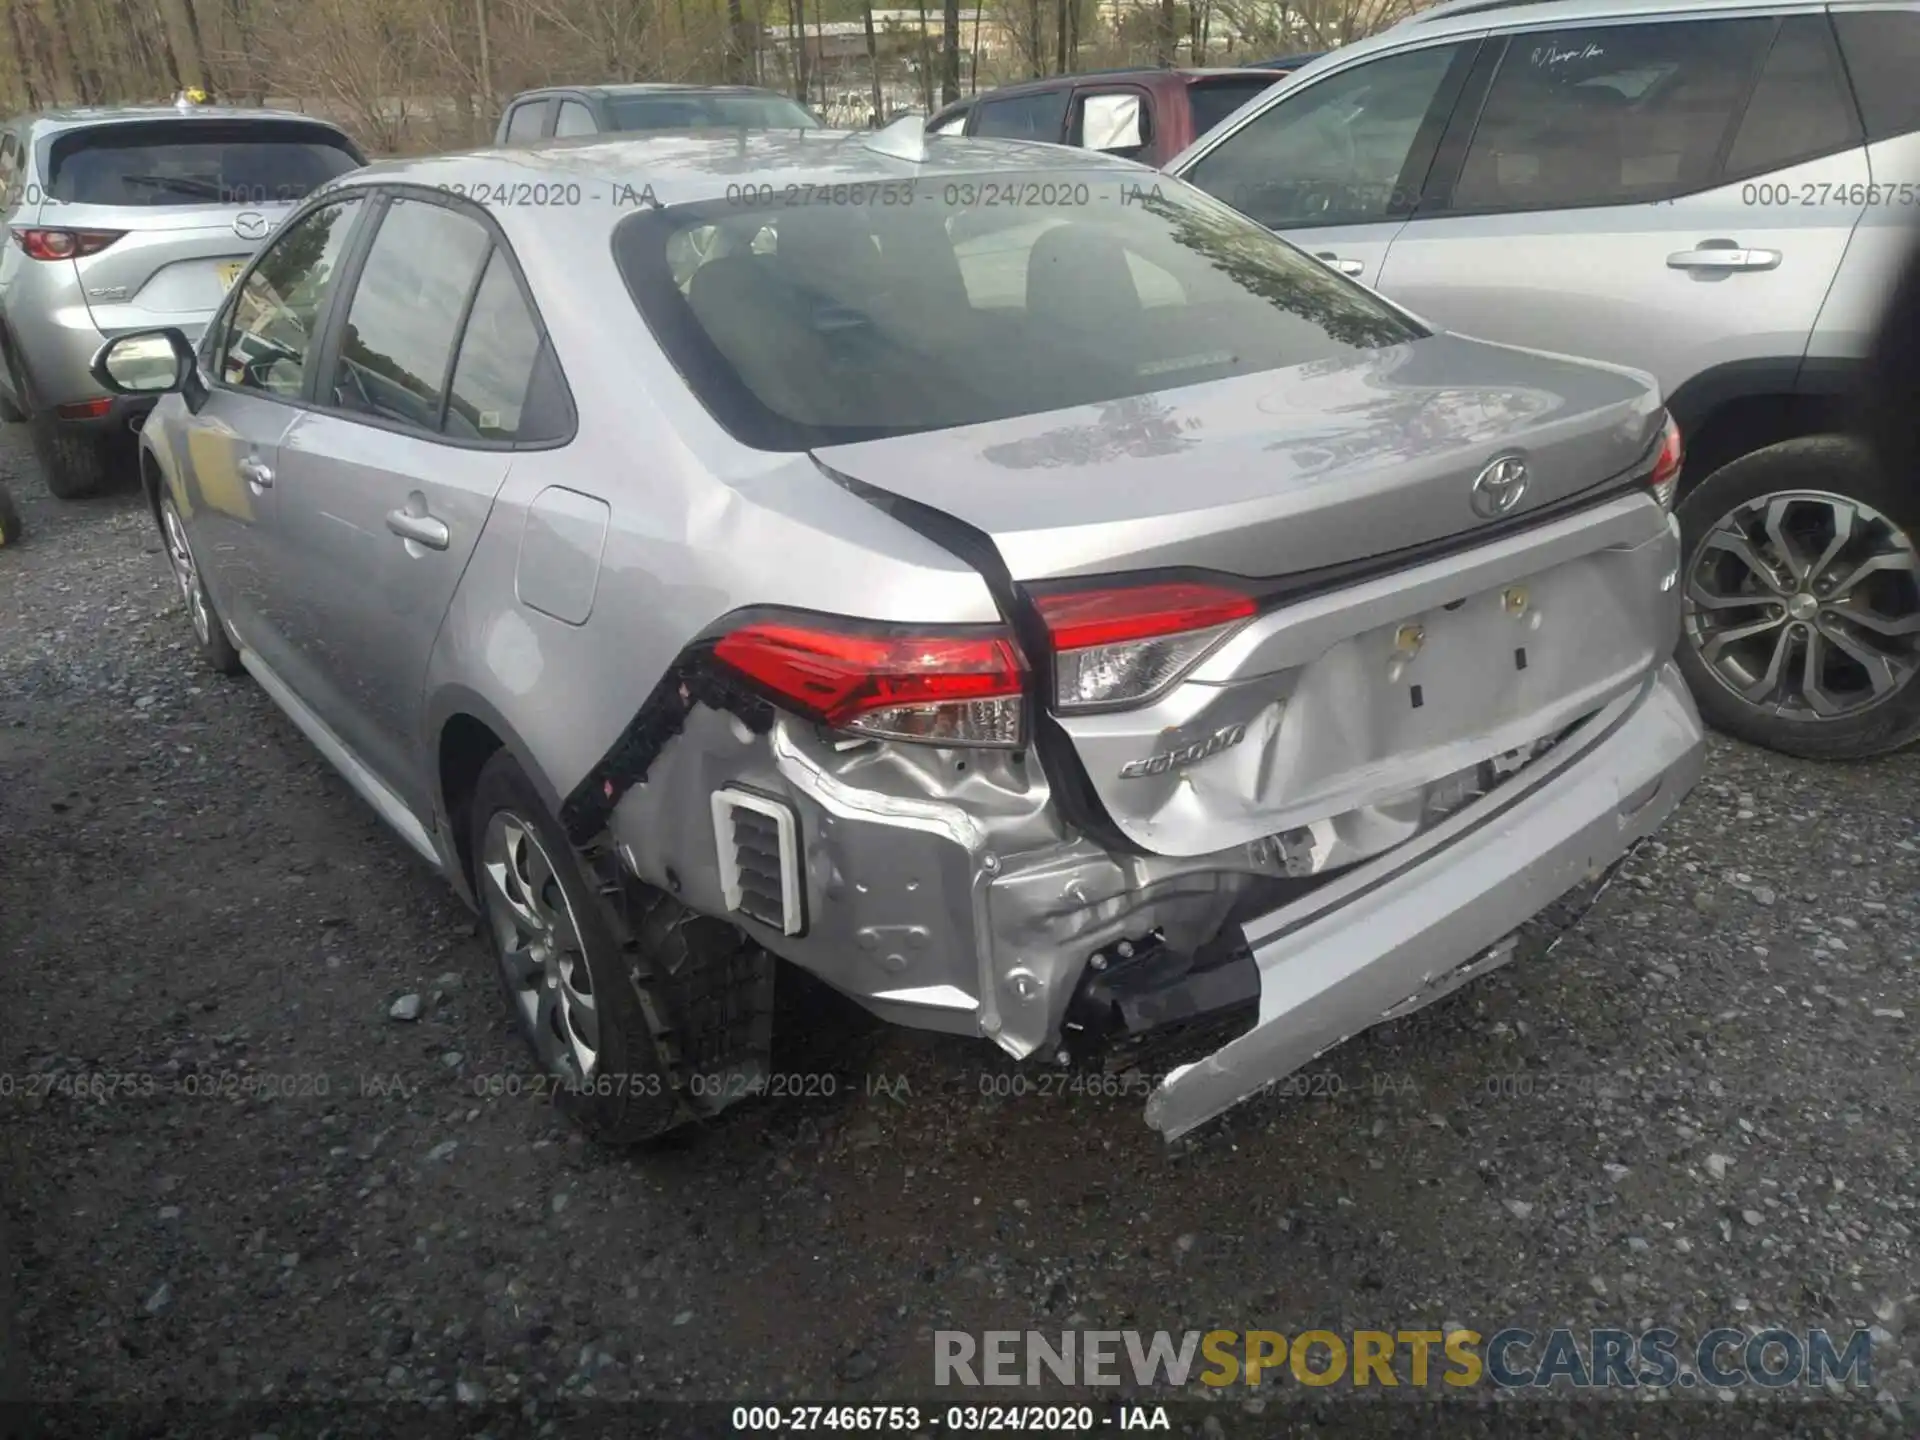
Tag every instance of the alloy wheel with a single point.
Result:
(537, 941)
(185, 573)
(1806, 604)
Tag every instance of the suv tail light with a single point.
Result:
(64, 244)
(953, 688)
(1116, 647)
(1665, 474)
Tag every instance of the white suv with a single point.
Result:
(1717, 193)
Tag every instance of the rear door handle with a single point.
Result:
(1345, 267)
(1722, 256)
(421, 529)
(257, 472)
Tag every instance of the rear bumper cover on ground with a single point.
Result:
(1397, 934)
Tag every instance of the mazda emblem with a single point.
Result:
(1498, 488)
(251, 226)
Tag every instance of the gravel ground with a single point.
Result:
(1700, 1110)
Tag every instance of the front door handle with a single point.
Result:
(1722, 255)
(1345, 267)
(256, 472)
(421, 528)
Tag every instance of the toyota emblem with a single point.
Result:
(1498, 488)
(251, 226)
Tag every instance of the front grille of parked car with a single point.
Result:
(759, 858)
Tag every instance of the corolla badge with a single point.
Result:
(1498, 488)
(251, 225)
(1185, 755)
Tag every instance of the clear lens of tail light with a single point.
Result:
(1121, 646)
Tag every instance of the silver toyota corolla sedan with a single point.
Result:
(1005, 583)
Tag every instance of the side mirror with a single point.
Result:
(147, 362)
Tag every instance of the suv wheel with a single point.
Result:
(10, 411)
(1801, 601)
(643, 1014)
(208, 628)
(76, 463)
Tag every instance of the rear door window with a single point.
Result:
(397, 348)
(1214, 100)
(575, 119)
(169, 164)
(1039, 116)
(1115, 122)
(526, 122)
(499, 355)
(1611, 115)
(1800, 110)
(1883, 56)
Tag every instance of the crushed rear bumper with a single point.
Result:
(1393, 936)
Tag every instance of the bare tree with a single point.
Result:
(950, 53)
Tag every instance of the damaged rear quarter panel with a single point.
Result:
(682, 548)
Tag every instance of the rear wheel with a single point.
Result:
(1801, 601)
(208, 628)
(644, 1014)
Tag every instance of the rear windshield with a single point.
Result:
(1214, 100)
(936, 303)
(173, 163)
(702, 112)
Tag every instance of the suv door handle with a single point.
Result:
(421, 529)
(1345, 267)
(1722, 255)
(256, 472)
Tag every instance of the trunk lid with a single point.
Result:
(1349, 717)
(1271, 474)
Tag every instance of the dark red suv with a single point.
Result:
(1145, 115)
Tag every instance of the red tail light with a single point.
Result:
(64, 244)
(84, 409)
(940, 689)
(1665, 475)
(1121, 646)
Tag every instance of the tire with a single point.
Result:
(76, 463)
(681, 1004)
(209, 631)
(9, 519)
(1864, 695)
(10, 411)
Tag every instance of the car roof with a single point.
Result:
(688, 167)
(1455, 15)
(1471, 17)
(608, 92)
(85, 116)
(1147, 74)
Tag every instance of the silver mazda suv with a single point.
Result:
(117, 220)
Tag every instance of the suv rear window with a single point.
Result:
(171, 163)
(807, 325)
(701, 112)
(1213, 100)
